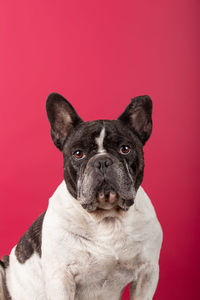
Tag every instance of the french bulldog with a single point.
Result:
(100, 231)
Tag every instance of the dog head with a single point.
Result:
(103, 159)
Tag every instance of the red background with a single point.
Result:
(99, 54)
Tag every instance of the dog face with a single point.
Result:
(103, 159)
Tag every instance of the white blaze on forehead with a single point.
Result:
(99, 141)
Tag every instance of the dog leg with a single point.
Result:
(60, 286)
(58, 292)
(2, 283)
(144, 288)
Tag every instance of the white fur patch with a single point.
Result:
(106, 254)
(100, 140)
(87, 259)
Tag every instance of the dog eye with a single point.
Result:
(78, 154)
(124, 149)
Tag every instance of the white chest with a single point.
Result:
(108, 261)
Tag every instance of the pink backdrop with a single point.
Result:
(99, 54)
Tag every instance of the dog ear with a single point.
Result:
(138, 117)
(62, 118)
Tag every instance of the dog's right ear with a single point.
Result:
(62, 118)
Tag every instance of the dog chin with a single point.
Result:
(106, 206)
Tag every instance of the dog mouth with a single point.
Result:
(107, 200)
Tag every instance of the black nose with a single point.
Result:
(102, 163)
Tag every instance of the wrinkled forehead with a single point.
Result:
(99, 134)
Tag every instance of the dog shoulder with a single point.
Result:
(143, 221)
(30, 242)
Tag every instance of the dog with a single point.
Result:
(100, 231)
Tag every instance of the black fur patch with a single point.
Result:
(84, 137)
(31, 241)
(4, 262)
(71, 134)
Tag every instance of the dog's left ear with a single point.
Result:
(138, 117)
(62, 118)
